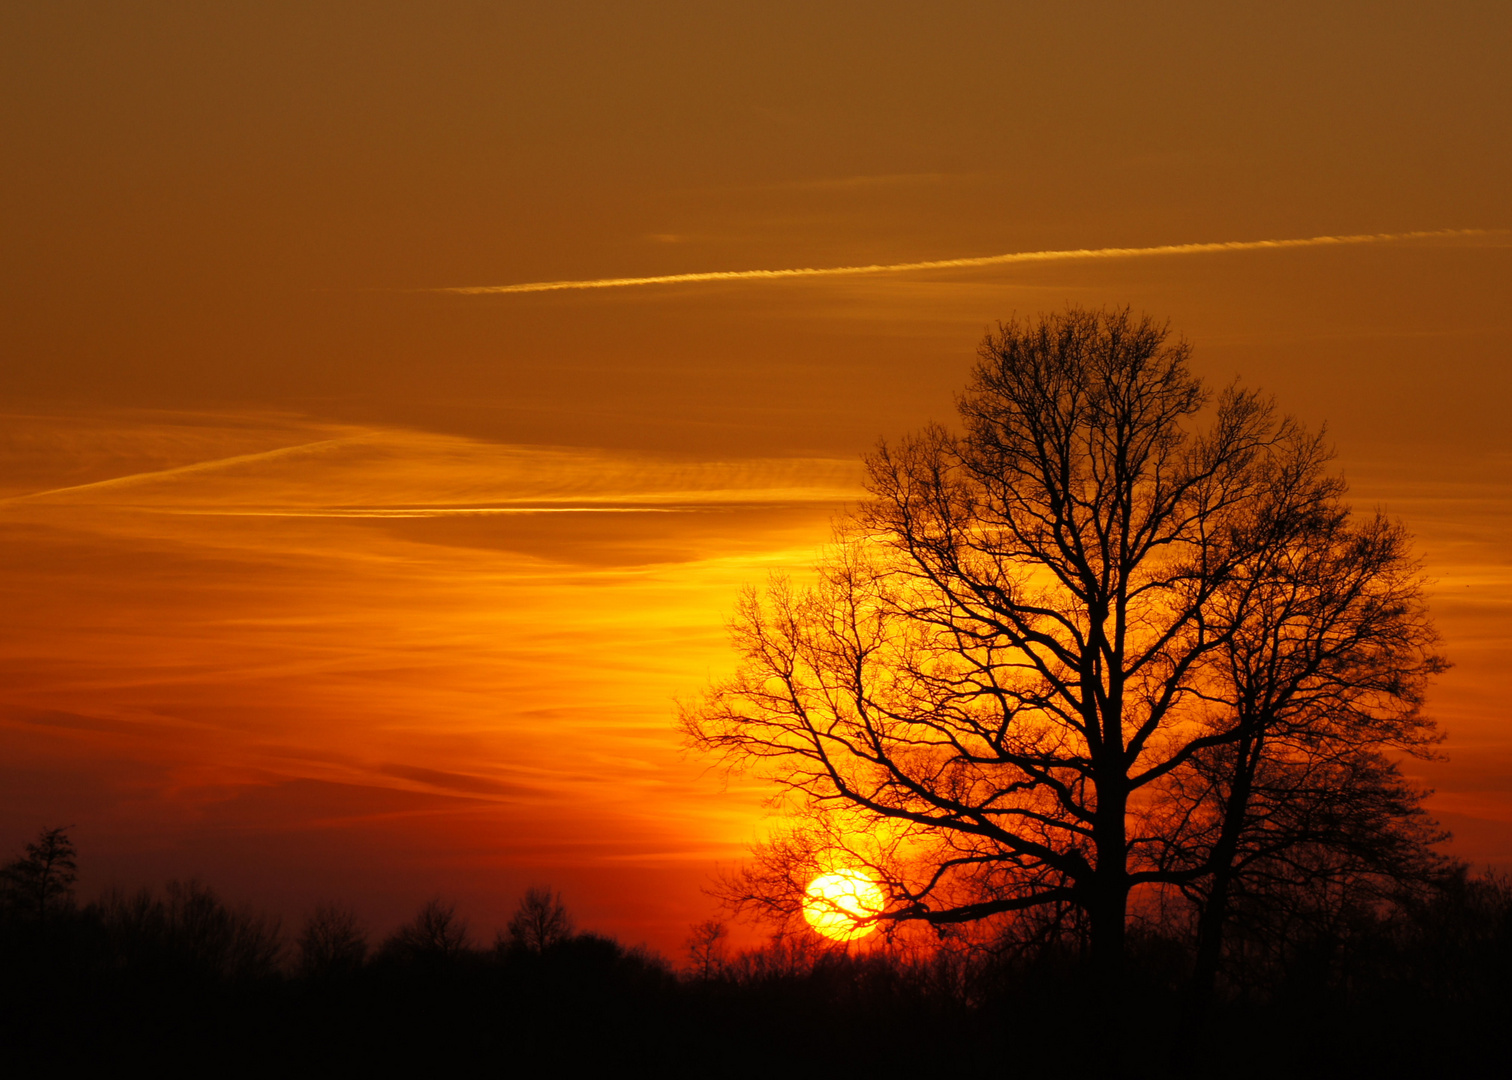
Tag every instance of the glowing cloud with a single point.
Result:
(958, 264)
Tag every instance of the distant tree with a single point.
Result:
(1454, 943)
(1005, 688)
(435, 933)
(189, 930)
(235, 943)
(540, 921)
(707, 951)
(39, 884)
(332, 942)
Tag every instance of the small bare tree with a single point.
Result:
(40, 883)
(707, 951)
(540, 921)
(333, 942)
(435, 933)
(238, 943)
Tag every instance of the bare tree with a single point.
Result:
(1010, 669)
(192, 928)
(237, 943)
(332, 942)
(707, 951)
(541, 920)
(1326, 667)
(435, 933)
(40, 883)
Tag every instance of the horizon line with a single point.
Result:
(954, 264)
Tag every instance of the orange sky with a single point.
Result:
(319, 584)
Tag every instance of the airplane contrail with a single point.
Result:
(180, 470)
(954, 264)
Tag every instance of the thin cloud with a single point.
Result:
(852, 183)
(960, 264)
(397, 473)
(182, 470)
(416, 512)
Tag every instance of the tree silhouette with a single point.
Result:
(1024, 655)
(436, 933)
(707, 951)
(1328, 666)
(40, 883)
(189, 930)
(332, 942)
(540, 921)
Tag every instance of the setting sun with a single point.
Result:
(835, 903)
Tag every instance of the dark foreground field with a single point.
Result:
(183, 983)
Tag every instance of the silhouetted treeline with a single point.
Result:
(1417, 983)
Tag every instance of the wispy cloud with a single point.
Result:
(217, 464)
(398, 473)
(209, 641)
(967, 263)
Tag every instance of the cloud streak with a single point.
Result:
(181, 470)
(961, 264)
(393, 473)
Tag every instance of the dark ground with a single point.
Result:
(183, 983)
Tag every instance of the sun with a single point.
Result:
(835, 901)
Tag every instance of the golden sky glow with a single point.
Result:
(322, 581)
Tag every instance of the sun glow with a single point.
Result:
(834, 904)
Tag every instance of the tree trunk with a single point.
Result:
(1107, 908)
(1215, 909)
(1109, 901)
(1210, 938)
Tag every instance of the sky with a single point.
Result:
(330, 573)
